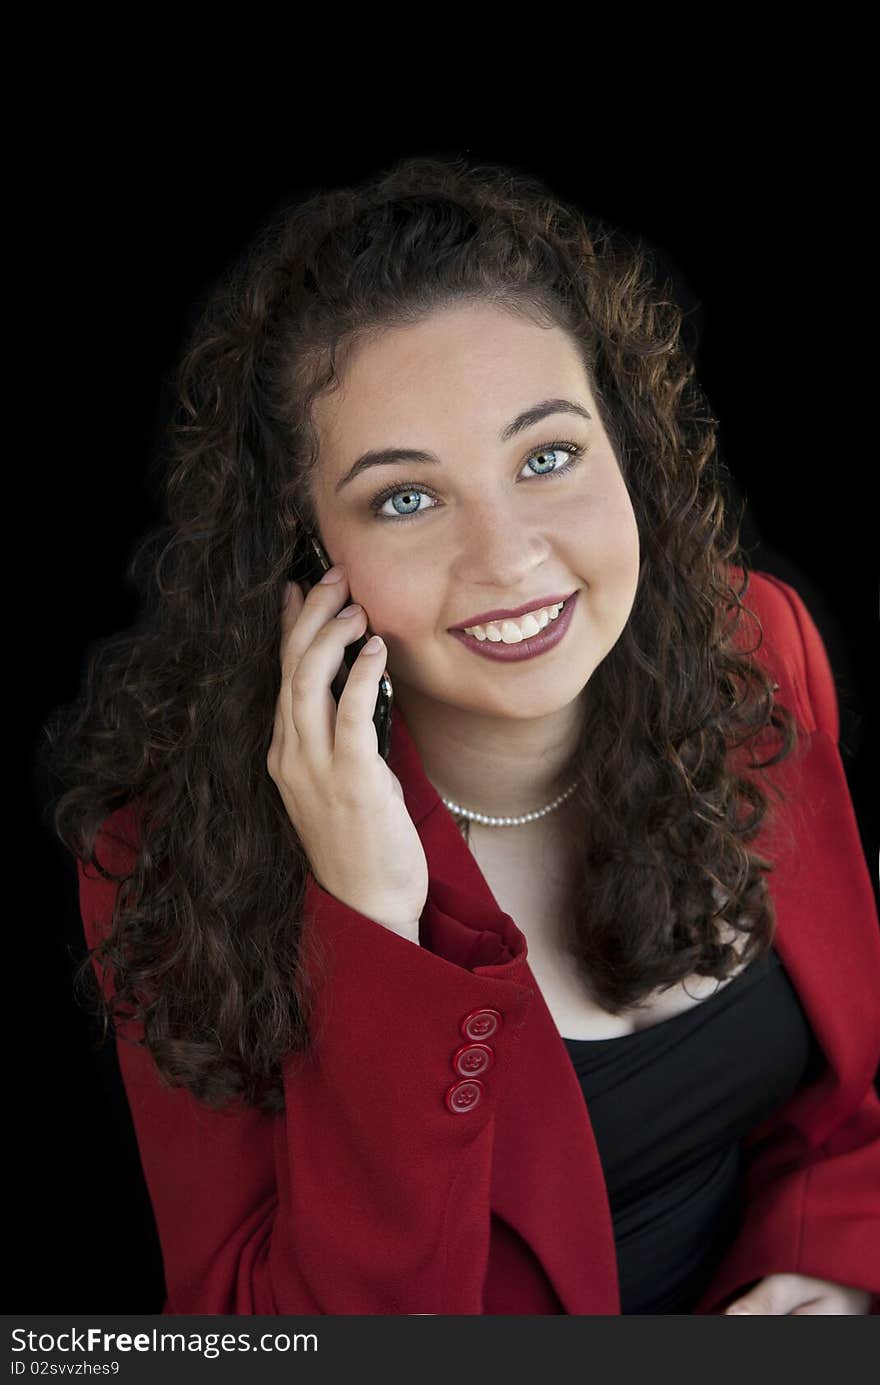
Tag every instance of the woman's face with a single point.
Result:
(491, 523)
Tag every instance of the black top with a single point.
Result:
(669, 1106)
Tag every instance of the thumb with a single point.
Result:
(775, 1296)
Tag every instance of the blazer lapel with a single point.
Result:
(547, 1180)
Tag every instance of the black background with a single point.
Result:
(126, 223)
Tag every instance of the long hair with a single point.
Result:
(175, 715)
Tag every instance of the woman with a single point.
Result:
(514, 1022)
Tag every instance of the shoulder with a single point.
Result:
(792, 650)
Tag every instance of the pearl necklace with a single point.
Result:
(509, 822)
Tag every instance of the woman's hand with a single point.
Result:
(346, 804)
(780, 1294)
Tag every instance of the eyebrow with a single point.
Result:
(387, 456)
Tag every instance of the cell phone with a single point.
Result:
(308, 567)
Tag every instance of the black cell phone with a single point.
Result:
(307, 569)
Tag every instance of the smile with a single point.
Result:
(524, 638)
(510, 631)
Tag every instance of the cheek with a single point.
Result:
(610, 541)
(401, 608)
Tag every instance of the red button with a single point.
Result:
(464, 1096)
(471, 1059)
(481, 1024)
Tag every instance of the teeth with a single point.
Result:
(513, 631)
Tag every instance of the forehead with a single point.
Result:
(467, 367)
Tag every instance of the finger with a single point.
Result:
(823, 1306)
(302, 616)
(311, 704)
(776, 1295)
(292, 599)
(295, 594)
(754, 1305)
(356, 739)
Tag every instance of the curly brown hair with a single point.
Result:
(176, 714)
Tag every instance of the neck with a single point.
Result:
(503, 767)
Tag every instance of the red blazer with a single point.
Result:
(436, 1155)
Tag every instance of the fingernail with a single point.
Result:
(334, 574)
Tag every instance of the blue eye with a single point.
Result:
(413, 490)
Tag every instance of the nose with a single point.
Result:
(498, 549)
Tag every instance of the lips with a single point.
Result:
(484, 617)
(529, 648)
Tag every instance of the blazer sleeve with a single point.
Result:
(812, 1203)
(370, 1193)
